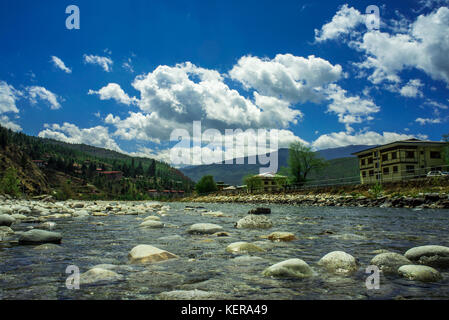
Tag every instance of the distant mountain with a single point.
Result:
(233, 174)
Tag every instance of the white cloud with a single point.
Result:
(424, 47)
(60, 64)
(8, 98)
(7, 123)
(96, 136)
(127, 65)
(423, 121)
(114, 91)
(350, 109)
(287, 77)
(412, 89)
(341, 139)
(343, 22)
(104, 62)
(36, 92)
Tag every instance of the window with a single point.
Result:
(364, 174)
(386, 170)
(370, 160)
(394, 155)
(371, 173)
(377, 164)
(410, 169)
(395, 169)
(435, 155)
(410, 154)
(375, 154)
(363, 162)
(385, 157)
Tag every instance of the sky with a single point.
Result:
(326, 74)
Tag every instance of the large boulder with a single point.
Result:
(338, 262)
(151, 224)
(5, 232)
(98, 275)
(252, 221)
(243, 247)
(390, 262)
(6, 220)
(37, 236)
(420, 273)
(147, 254)
(204, 228)
(431, 255)
(293, 268)
(154, 218)
(49, 225)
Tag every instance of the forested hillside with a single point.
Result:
(81, 171)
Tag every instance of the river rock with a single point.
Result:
(5, 231)
(243, 247)
(154, 218)
(152, 224)
(99, 274)
(47, 246)
(281, 236)
(80, 213)
(252, 221)
(389, 262)
(419, 273)
(19, 216)
(49, 225)
(37, 236)
(260, 211)
(147, 254)
(204, 228)
(338, 262)
(431, 255)
(6, 220)
(294, 268)
(213, 214)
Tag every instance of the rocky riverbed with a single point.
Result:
(422, 200)
(149, 250)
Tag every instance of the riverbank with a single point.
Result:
(423, 200)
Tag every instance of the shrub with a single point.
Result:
(10, 183)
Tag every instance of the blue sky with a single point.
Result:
(137, 70)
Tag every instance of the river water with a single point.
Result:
(28, 273)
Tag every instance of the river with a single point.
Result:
(28, 273)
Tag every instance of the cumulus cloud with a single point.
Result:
(412, 89)
(344, 21)
(424, 47)
(350, 109)
(8, 98)
(115, 92)
(36, 92)
(7, 123)
(341, 139)
(60, 64)
(423, 121)
(287, 77)
(96, 136)
(104, 62)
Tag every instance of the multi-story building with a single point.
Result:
(400, 160)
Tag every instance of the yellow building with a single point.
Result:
(400, 160)
(270, 182)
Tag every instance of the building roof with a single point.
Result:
(230, 188)
(409, 141)
(270, 175)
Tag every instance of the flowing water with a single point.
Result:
(29, 273)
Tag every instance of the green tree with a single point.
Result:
(10, 183)
(252, 182)
(205, 185)
(301, 161)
